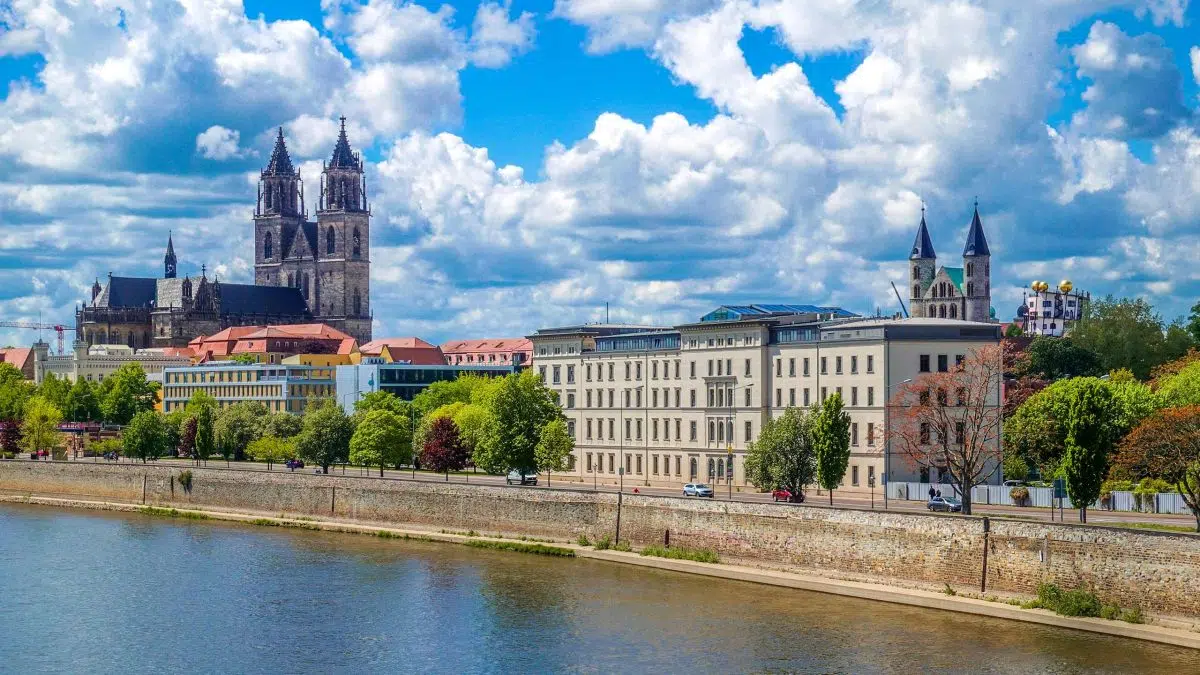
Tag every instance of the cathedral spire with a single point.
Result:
(976, 243)
(281, 163)
(922, 248)
(343, 156)
(169, 262)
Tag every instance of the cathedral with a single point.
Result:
(304, 271)
(951, 292)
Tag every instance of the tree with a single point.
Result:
(554, 447)
(521, 406)
(463, 389)
(384, 400)
(1124, 334)
(1167, 446)
(126, 393)
(270, 449)
(187, 437)
(1089, 443)
(1181, 388)
(950, 421)
(325, 434)
(1014, 330)
(1193, 324)
(784, 456)
(443, 450)
(474, 424)
(282, 425)
(239, 425)
(54, 390)
(245, 358)
(1053, 358)
(144, 436)
(14, 391)
(381, 438)
(81, 404)
(39, 426)
(831, 441)
(205, 438)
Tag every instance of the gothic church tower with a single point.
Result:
(343, 243)
(977, 273)
(922, 264)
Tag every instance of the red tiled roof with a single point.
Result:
(17, 356)
(374, 347)
(253, 339)
(347, 346)
(489, 345)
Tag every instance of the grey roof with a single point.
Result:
(281, 163)
(343, 157)
(976, 242)
(249, 299)
(127, 292)
(922, 246)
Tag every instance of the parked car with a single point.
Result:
(294, 464)
(521, 477)
(697, 490)
(784, 495)
(944, 504)
(1014, 483)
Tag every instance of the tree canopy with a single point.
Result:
(270, 449)
(39, 427)
(1167, 446)
(1053, 358)
(239, 425)
(521, 406)
(125, 393)
(554, 446)
(443, 449)
(381, 438)
(144, 437)
(14, 391)
(1129, 334)
(1089, 442)
(831, 438)
(325, 434)
(81, 404)
(784, 456)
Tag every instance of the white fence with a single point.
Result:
(1163, 502)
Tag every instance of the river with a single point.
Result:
(131, 593)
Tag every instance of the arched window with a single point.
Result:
(712, 431)
(267, 197)
(291, 280)
(357, 244)
(916, 273)
(330, 241)
(941, 311)
(357, 303)
(970, 269)
(304, 285)
(720, 468)
(970, 289)
(268, 246)
(953, 311)
(916, 290)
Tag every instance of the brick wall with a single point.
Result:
(1156, 571)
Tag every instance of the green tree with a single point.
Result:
(239, 425)
(1053, 358)
(1167, 446)
(1089, 442)
(270, 449)
(554, 447)
(282, 425)
(384, 400)
(1178, 341)
(1014, 331)
(831, 441)
(143, 438)
(1193, 324)
(1181, 388)
(325, 434)
(54, 390)
(126, 393)
(463, 389)
(1014, 467)
(39, 426)
(14, 391)
(81, 404)
(474, 424)
(1124, 334)
(521, 406)
(784, 456)
(206, 442)
(244, 358)
(380, 439)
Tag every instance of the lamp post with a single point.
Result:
(887, 441)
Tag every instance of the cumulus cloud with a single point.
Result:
(495, 40)
(219, 143)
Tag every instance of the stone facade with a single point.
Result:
(1154, 571)
(327, 260)
(951, 292)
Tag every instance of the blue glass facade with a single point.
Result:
(401, 379)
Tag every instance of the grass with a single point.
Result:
(172, 513)
(522, 547)
(583, 540)
(603, 543)
(949, 591)
(702, 555)
(1161, 527)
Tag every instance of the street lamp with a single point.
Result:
(887, 441)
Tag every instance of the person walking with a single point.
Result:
(931, 492)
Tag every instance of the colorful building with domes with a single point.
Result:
(1051, 311)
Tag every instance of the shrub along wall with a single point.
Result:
(1154, 571)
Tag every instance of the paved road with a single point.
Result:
(848, 500)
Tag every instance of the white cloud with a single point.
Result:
(495, 40)
(219, 143)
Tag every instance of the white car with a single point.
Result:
(521, 477)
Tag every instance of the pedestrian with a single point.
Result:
(931, 492)
(939, 493)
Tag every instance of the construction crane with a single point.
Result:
(31, 325)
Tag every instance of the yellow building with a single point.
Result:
(280, 387)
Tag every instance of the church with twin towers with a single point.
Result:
(327, 260)
(963, 293)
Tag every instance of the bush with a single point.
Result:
(185, 479)
(583, 540)
(1077, 602)
(622, 546)
(1133, 616)
(678, 553)
(1020, 495)
(603, 543)
(1143, 494)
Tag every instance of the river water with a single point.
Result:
(85, 592)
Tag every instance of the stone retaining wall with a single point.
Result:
(1155, 571)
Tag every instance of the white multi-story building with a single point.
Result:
(96, 362)
(1051, 311)
(681, 404)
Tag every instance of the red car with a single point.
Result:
(782, 495)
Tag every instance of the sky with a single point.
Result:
(530, 161)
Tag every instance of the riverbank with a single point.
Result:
(878, 592)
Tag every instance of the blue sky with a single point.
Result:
(530, 161)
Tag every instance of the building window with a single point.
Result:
(638, 427)
(611, 435)
(330, 240)
(587, 372)
(693, 398)
(268, 246)
(639, 465)
(942, 364)
(587, 428)
(571, 428)
(854, 433)
(791, 367)
(654, 398)
(806, 367)
(924, 433)
(720, 370)
(854, 475)
(806, 400)
(542, 373)
(870, 433)
(870, 363)
(853, 365)
(792, 398)
(570, 400)
(610, 373)
(712, 431)
(678, 425)
(824, 365)
(837, 364)
(924, 368)
(654, 370)
(612, 462)
(729, 367)
(627, 370)
(747, 367)
(691, 432)
(692, 369)
(588, 398)
(557, 375)
(749, 431)
(570, 374)
(854, 396)
(654, 430)
(654, 464)
(870, 396)
(778, 398)
(778, 367)
(747, 397)
(958, 361)
(638, 397)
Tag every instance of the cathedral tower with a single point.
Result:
(170, 265)
(977, 273)
(343, 243)
(278, 219)
(922, 265)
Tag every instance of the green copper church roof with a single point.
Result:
(956, 276)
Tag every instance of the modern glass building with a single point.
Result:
(405, 380)
(282, 388)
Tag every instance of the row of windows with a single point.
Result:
(250, 375)
(747, 340)
(838, 363)
(853, 402)
(594, 463)
(936, 435)
(943, 362)
(246, 391)
(718, 397)
(718, 430)
(273, 406)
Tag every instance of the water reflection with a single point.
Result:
(130, 593)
